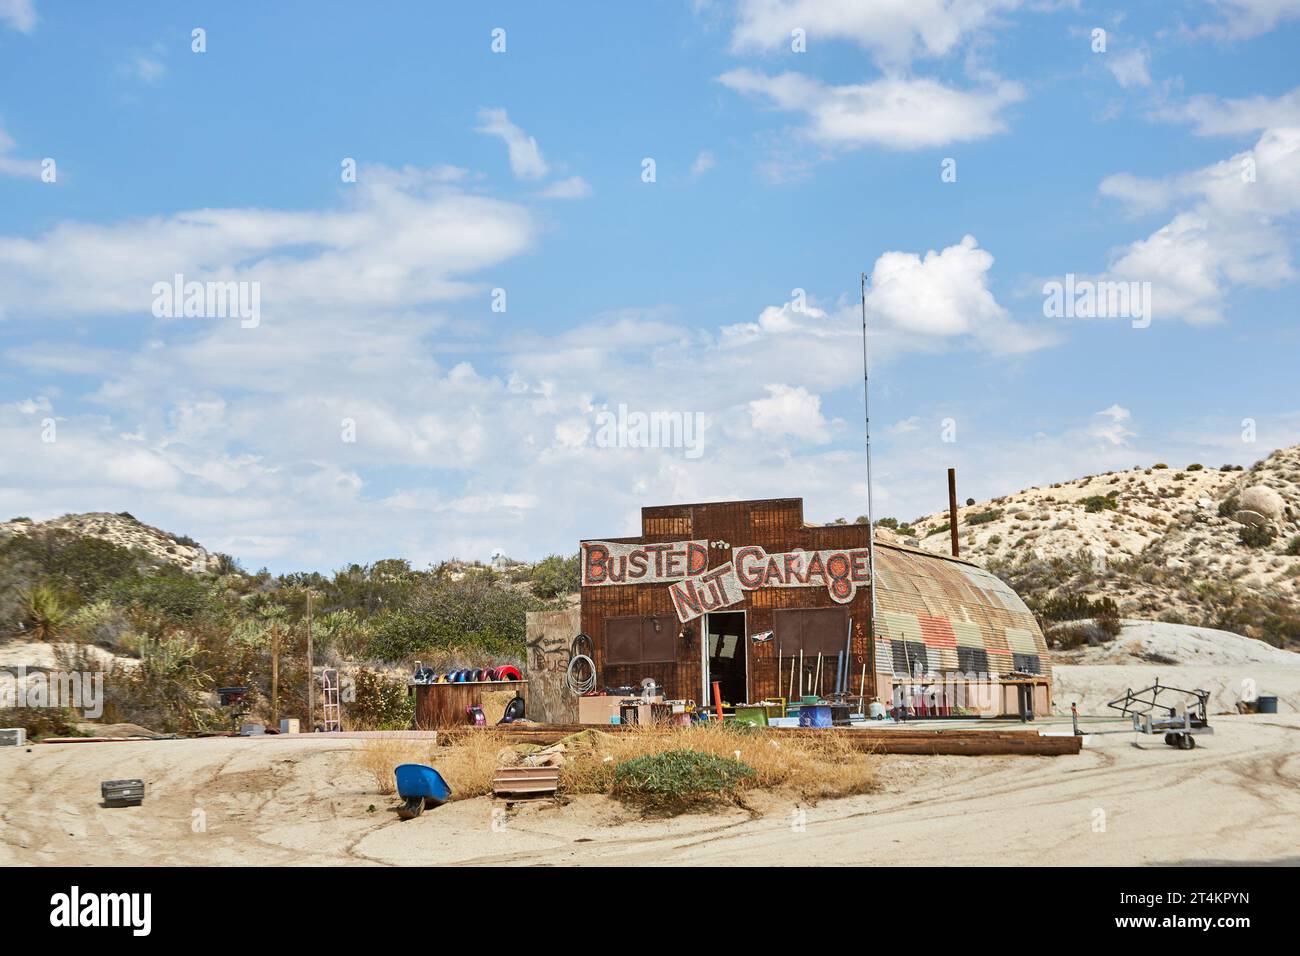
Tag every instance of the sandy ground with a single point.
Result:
(1091, 686)
(302, 801)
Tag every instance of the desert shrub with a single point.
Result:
(45, 615)
(170, 592)
(101, 623)
(1095, 503)
(1195, 466)
(554, 576)
(1293, 546)
(1160, 465)
(941, 529)
(1256, 535)
(381, 703)
(679, 777)
(983, 517)
(42, 721)
(1228, 507)
(471, 614)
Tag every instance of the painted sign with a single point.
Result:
(840, 571)
(607, 562)
(710, 591)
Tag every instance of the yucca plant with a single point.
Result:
(45, 615)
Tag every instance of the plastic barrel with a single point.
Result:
(1267, 705)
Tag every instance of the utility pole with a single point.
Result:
(311, 680)
(952, 511)
(871, 518)
(275, 675)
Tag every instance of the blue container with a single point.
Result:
(1267, 705)
(815, 715)
(416, 780)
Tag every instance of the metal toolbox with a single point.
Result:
(122, 793)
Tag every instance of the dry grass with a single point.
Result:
(379, 756)
(808, 767)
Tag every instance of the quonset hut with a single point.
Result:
(730, 591)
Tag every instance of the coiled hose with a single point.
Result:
(577, 658)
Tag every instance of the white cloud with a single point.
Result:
(1230, 232)
(892, 112)
(19, 14)
(945, 294)
(894, 32)
(790, 411)
(703, 163)
(1110, 425)
(526, 160)
(1216, 116)
(575, 187)
(1243, 19)
(403, 239)
(1129, 67)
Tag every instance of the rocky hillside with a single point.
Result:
(124, 530)
(1215, 547)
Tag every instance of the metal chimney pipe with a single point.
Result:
(952, 511)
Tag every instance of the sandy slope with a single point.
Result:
(302, 802)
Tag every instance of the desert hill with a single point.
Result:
(125, 530)
(1212, 547)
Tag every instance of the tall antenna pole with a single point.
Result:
(871, 518)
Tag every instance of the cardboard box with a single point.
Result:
(289, 725)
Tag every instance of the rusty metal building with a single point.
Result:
(729, 591)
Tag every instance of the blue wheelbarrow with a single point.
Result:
(419, 787)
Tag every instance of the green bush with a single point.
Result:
(171, 592)
(984, 517)
(1160, 465)
(1228, 507)
(381, 703)
(1293, 546)
(679, 777)
(1095, 503)
(1195, 466)
(1256, 536)
(553, 576)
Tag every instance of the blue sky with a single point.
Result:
(775, 170)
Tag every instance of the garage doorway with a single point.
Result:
(725, 655)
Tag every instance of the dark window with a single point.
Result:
(1026, 663)
(640, 640)
(909, 657)
(972, 659)
(821, 630)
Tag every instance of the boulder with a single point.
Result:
(1262, 500)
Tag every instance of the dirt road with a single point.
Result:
(303, 801)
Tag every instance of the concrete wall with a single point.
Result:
(548, 636)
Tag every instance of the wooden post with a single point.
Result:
(275, 676)
(311, 681)
(952, 511)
